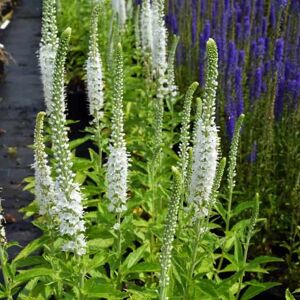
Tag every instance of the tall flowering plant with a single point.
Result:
(69, 198)
(48, 49)
(117, 165)
(94, 71)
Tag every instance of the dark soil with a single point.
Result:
(21, 99)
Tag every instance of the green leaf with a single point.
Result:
(29, 261)
(80, 178)
(24, 294)
(144, 267)
(31, 247)
(134, 257)
(31, 209)
(75, 143)
(265, 259)
(238, 252)
(99, 288)
(229, 268)
(96, 244)
(243, 206)
(225, 285)
(177, 269)
(288, 295)
(143, 293)
(220, 209)
(26, 275)
(208, 288)
(98, 260)
(296, 291)
(91, 215)
(255, 269)
(256, 288)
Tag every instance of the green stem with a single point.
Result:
(153, 207)
(119, 253)
(227, 223)
(191, 270)
(244, 263)
(98, 142)
(163, 293)
(52, 253)
(82, 281)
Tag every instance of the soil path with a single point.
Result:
(21, 99)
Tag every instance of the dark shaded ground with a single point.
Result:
(21, 99)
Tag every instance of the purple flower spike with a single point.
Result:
(257, 83)
(206, 31)
(273, 16)
(226, 4)
(247, 7)
(231, 59)
(172, 20)
(261, 47)
(241, 59)
(215, 14)
(279, 44)
(247, 27)
(203, 7)
(253, 50)
(239, 92)
(238, 31)
(283, 3)
(264, 27)
(220, 44)
(238, 13)
(267, 67)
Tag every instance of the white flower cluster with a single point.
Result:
(117, 171)
(48, 49)
(159, 54)
(154, 48)
(119, 8)
(70, 211)
(69, 198)
(206, 142)
(44, 185)
(117, 165)
(204, 166)
(47, 55)
(94, 72)
(146, 27)
(63, 210)
(95, 87)
(154, 35)
(44, 188)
